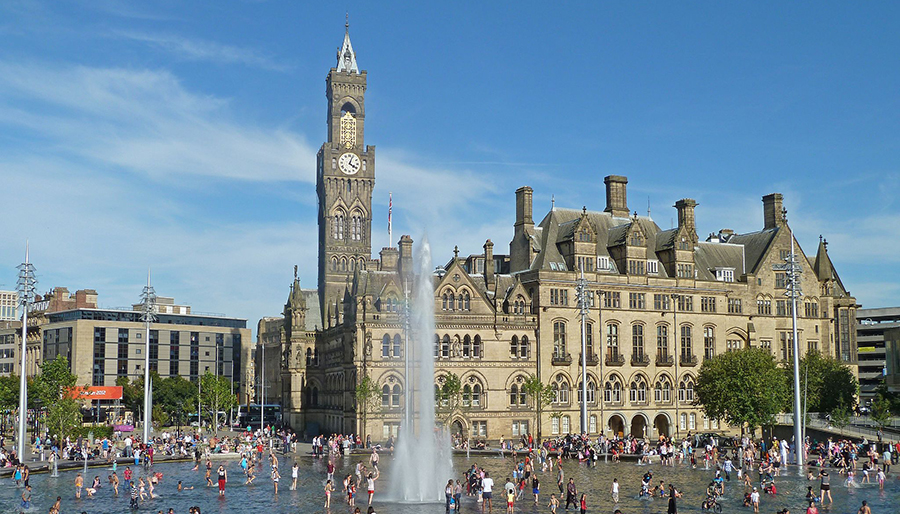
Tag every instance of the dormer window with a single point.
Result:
(684, 244)
(603, 262)
(725, 274)
(652, 267)
(636, 239)
(584, 236)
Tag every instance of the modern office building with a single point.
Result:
(9, 305)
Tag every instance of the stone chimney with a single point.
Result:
(489, 263)
(772, 210)
(685, 208)
(86, 299)
(523, 206)
(389, 258)
(406, 259)
(616, 199)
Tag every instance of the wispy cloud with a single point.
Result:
(201, 50)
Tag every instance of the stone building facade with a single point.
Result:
(660, 302)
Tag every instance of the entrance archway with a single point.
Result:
(457, 430)
(662, 426)
(639, 426)
(616, 426)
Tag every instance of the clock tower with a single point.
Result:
(345, 177)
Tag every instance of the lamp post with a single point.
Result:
(583, 309)
(26, 288)
(676, 356)
(794, 292)
(148, 303)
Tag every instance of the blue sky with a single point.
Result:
(182, 135)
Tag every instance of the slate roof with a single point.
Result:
(755, 246)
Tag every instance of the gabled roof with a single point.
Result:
(755, 246)
(709, 256)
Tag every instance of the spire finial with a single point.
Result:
(552, 202)
(295, 272)
(825, 244)
(347, 22)
(784, 214)
(456, 252)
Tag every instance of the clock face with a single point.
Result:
(349, 163)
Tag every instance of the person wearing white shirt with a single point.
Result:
(487, 486)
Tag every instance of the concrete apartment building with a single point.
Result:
(871, 336)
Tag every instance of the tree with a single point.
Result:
(826, 382)
(368, 396)
(744, 387)
(216, 395)
(542, 396)
(840, 417)
(881, 411)
(449, 394)
(54, 387)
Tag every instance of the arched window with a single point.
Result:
(709, 342)
(386, 396)
(662, 342)
(395, 396)
(662, 393)
(309, 356)
(514, 347)
(476, 347)
(396, 350)
(637, 342)
(591, 391)
(612, 390)
(467, 346)
(559, 340)
(459, 302)
(343, 264)
(445, 347)
(452, 301)
(566, 424)
(334, 264)
(437, 346)
(682, 422)
(592, 424)
(466, 396)
(356, 224)
(638, 391)
(352, 264)
(514, 395)
(444, 302)
(686, 343)
(522, 395)
(686, 390)
(476, 395)
(386, 346)
(337, 226)
(612, 342)
(315, 396)
(564, 392)
(523, 347)
(466, 300)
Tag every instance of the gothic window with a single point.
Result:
(523, 347)
(395, 396)
(465, 297)
(386, 396)
(476, 395)
(309, 356)
(686, 390)
(662, 393)
(348, 130)
(476, 347)
(612, 390)
(444, 302)
(591, 391)
(386, 346)
(662, 341)
(637, 341)
(466, 395)
(343, 264)
(514, 347)
(334, 264)
(638, 391)
(337, 226)
(352, 264)
(709, 342)
(452, 301)
(589, 339)
(467, 346)
(437, 346)
(514, 395)
(612, 341)
(445, 347)
(396, 349)
(559, 340)
(636, 239)
(356, 227)
(687, 350)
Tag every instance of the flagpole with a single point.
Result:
(390, 224)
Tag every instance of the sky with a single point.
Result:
(182, 135)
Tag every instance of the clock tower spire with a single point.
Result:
(345, 178)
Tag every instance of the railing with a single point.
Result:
(640, 360)
(664, 360)
(688, 360)
(616, 359)
(592, 359)
(562, 360)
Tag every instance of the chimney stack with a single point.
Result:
(616, 199)
(685, 208)
(489, 262)
(772, 210)
(406, 260)
(523, 206)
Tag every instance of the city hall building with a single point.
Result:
(661, 301)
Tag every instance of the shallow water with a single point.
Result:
(259, 497)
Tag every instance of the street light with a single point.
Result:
(679, 345)
(26, 288)
(583, 308)
(148, 304)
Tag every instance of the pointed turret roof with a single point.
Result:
(346, 57)
(824, 268)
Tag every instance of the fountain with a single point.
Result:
(422, 462)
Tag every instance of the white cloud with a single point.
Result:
(200, 50)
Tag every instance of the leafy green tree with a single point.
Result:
(368, 398)
(9, 392)
(840, 417)
(541, 395)
(881, 411)
(449, 395)
(216, 395)
(160, 417)
(744, 387)
(826, 381)
(53, 387)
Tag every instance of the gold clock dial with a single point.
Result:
(349, 163)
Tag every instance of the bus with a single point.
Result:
(249, 415)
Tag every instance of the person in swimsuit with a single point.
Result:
(328, 489)
(825, 486)
(275, 478)
(223, 479)
(79, 485)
